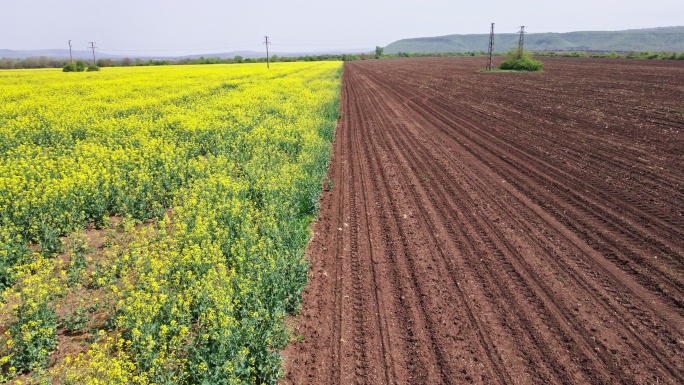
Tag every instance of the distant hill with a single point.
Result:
(653, 39)
(53, 54)
(64, 54)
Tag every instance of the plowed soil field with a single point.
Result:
(500, 228)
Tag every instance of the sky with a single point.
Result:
(181, 27)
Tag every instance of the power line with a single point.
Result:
(194, 48)
(322, 44)
(245, 44)
(172, 50)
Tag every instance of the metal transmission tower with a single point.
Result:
(491, 48)
(521, 42)
(92, 46)
(267, 42)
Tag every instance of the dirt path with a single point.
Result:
(500, 228)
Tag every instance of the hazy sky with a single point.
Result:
(174, 27)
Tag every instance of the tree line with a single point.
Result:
(617, 55)
(46, 62)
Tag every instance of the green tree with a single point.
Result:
(105, 63)
(80, 66)
(378, 51)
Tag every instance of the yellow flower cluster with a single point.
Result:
(215, 171)
(30, 338)
(106, 363)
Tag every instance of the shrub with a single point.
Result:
(520, 61)
(80, 66)
(668, 56)
(521, 65)
(93, 67)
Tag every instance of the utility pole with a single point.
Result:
(491, 48)
(92, 46)
(521, 42)
(71, 57)
(266, 42)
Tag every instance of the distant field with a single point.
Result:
(153, 220)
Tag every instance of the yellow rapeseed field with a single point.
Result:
(153, 220)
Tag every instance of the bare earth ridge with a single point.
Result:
(500, 228)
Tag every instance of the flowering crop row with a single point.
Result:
(199, 184)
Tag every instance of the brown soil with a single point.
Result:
(500, 227)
